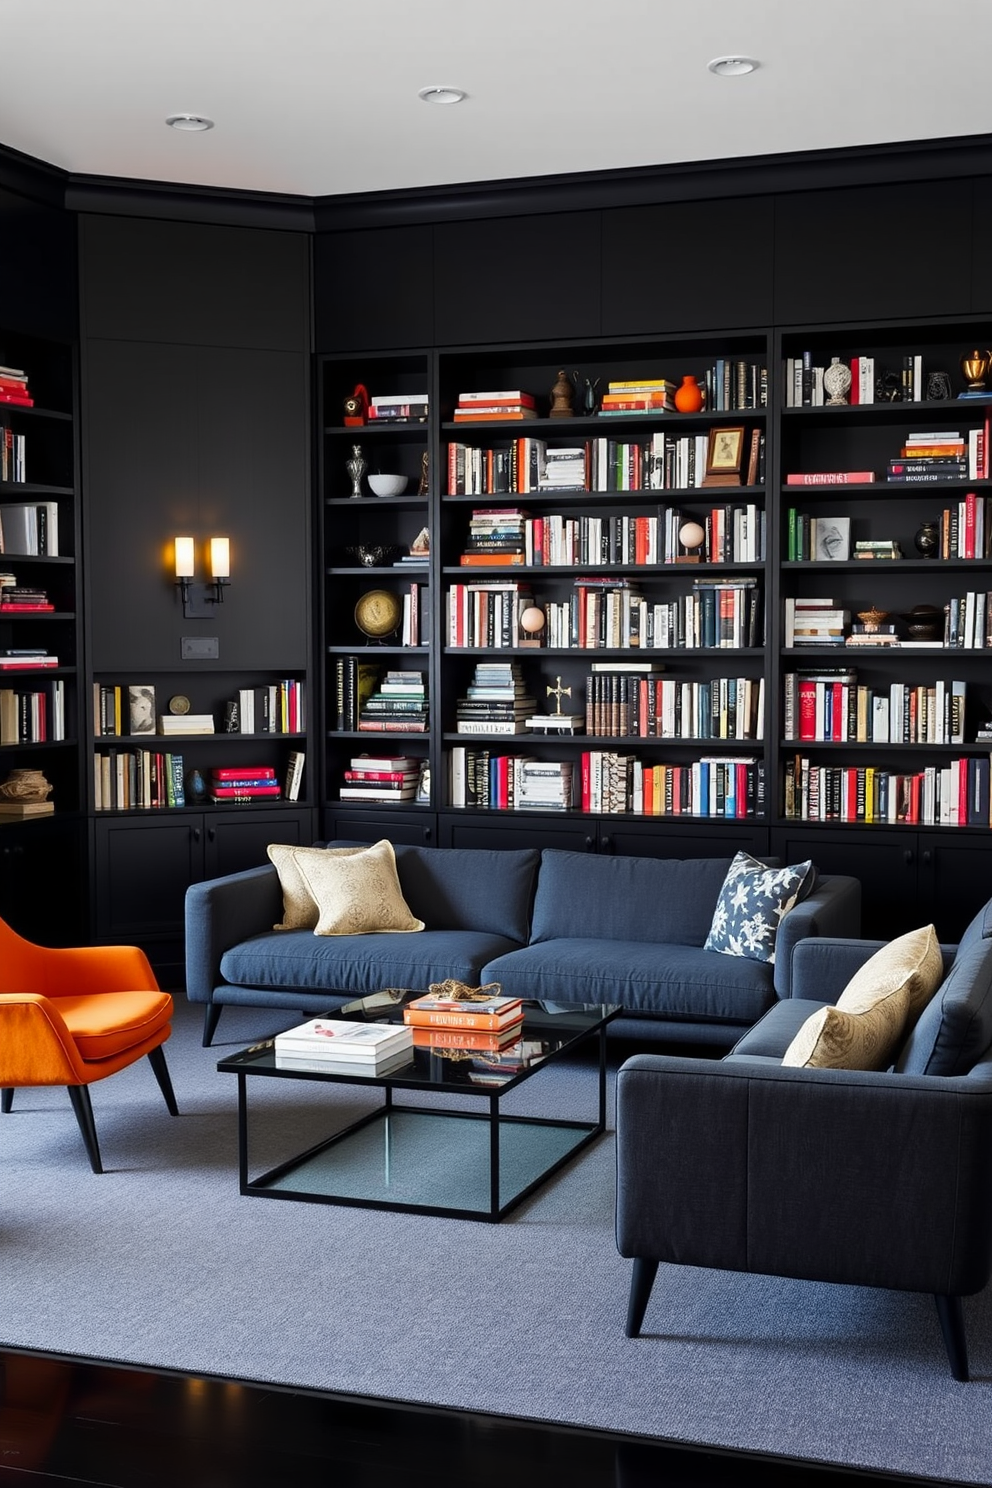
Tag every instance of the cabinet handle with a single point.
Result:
(427, 834)
(927, 856)
(590, 844)
(211, 834)
(907, 856)
(607, 844)
(196, 834)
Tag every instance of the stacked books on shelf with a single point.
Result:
(398, 408)
(30, 527)
(337, 1046)
(32, 717)
(496, 701)
(133, 779)
(638, 395)
(382, 778)
(478, 1009)
(398, 704)
(274, 708)
(941, 454)
(814, 622)
(869, 548)
(14, 388)
(13, 465)
(25, 658)
(563, 469)
(185, 723)
(952, 795)
(966, 528)
(513, 404)
(546, 785)
(495, 538)
(243, 783)
(22, 599)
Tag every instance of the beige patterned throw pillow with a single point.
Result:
(876, 1008)
(299, 909)
(356, 890)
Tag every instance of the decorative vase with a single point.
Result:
(926, 540)
(689, 397)
(562, 395)
(837, 382)
(356, 468)
(196, 786)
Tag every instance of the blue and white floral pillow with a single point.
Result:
(753, 902)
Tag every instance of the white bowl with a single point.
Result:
(388, 485)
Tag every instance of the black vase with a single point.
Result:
(927, 540)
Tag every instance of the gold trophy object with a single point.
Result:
(975, 365)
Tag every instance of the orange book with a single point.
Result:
(493, 560)
(466, 1038)
(446, 1012)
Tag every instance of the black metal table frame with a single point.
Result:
(259, 1187)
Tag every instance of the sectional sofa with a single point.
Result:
(558, 926)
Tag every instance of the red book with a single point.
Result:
(245, 791)
(969, 524)
(807, 710)
(18, 398)
(855, 394)
(21, 605)
(243, 773)
(391, 776)
(831, 478)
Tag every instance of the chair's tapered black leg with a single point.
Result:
(951, 1315)
(641, 1283)
(157, 1061)
(81, 1104)
(211, 1017)
(6, 1098)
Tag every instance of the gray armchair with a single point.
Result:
(870, 1179)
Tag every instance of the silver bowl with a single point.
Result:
(374, 555)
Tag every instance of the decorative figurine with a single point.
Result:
(561, 397)
(532, 623)
(26, 787)
(837, 382)
(356, 468)
(938, 387)
(975, 366)
(356, 407)
(557, 722)
(585, 391)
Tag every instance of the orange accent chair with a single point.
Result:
(73, 1015)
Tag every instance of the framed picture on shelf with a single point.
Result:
(724, 456)
(423, 796)
(831, 539)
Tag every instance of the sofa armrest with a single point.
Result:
(865, 1178)
(822, 967)
(833, 908)
(220, 913)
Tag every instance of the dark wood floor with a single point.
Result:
(74, 1422)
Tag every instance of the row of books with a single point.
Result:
(966, 528)
(398, 703)
(136, 779)
(232, 783)
(22, 599)
(513, 538)
(13, 462)
(382, 778)
(955, 794)
(526, 464)
(30, 528)
(802, 379)
(606, 782)
(398, 408)
(32, 716)
(713, 615)
(619, 705)
(833, 707)
(273, 708)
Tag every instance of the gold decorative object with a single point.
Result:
(25, 786)
(872, 619)
(424, 487)
(975, 365)
(378, 613)
(456, 991)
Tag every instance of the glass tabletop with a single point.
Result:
(443, 1058)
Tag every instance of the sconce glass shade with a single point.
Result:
(220, 557)
(185, 559)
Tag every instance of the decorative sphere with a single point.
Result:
(691, 534)
(532, 620)
(378, 613)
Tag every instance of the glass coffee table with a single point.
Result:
(472, 1161)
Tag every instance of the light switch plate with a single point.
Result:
(200, 648)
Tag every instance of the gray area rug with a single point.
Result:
(160, 1262)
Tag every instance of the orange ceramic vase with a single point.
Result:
(689, 397)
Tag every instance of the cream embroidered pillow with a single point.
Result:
(356, 890)
(875, 1009)
(299, 909)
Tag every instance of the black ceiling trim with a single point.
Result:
(902, 161)
(32, 178)
(217, 206)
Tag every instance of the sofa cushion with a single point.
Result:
(291, 960)
(866, 1026)
(979, 928)
(357, 892)
(753, 901)
(955, 1027)
(666, 981)
(775, 1030)
(661, 900)
(299, 908)
(470, 888)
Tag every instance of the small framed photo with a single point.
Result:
(141, 709)
(423, 796)
(832, 540)
(724, 456)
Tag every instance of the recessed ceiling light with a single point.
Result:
(194, 123)
(732, 66)
(441, 95)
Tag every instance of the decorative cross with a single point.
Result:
(558, 693)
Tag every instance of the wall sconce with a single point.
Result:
(198, 597)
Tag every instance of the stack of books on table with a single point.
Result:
(244, 783)
(476, 1012)
(496, 701)
(512, 403)
(399, 704)
(335, 1046)
(381, 778)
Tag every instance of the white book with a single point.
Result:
(337, 1038)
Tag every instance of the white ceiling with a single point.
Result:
(319, 97)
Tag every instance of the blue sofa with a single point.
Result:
(866, 1177)
(557, 926)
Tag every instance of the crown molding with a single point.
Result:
(218, 205)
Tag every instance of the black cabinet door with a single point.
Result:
(649, 840)
(373, 289)
(496, 831)
(417, 829)
(42, 883)
(233, 843)
(955, 877)
(143, 868)
(886, 862)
